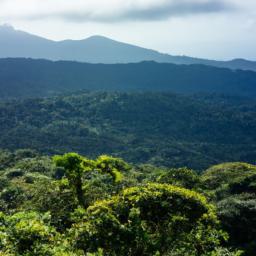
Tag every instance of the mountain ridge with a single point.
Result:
(24, 78)
(96, 49)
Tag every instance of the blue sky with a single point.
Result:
(217, 29)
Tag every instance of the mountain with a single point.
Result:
(158, 128)
(95, 49)
(24, 78)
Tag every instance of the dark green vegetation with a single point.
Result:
(25, 78)
(161, 129)
(71, 205)
(169, 196)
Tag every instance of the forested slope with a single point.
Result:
(158, 128)
(25, 78)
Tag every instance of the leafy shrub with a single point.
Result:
(147, 220)
(14, 173)
(30, 233)
(183, 177)
(238, 216)
(222, 174)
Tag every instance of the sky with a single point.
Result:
(214, 29)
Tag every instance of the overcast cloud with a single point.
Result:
(109, 10)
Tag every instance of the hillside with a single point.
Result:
(25, 78)
(158, 128)
(95, 49)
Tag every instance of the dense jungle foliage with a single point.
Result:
(162, 129)
(72, 205)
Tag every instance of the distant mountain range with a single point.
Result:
(23, 78)
(95, 49)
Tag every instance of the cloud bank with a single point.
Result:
(108, 10)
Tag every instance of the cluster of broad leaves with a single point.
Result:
(72, 205)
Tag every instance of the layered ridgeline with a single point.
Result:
(95, 49)
(157, 128)
(32, 78)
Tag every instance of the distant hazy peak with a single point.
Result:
(98, 37)
(95, 49)
(102, 39)
(239, 60)
(7, 27)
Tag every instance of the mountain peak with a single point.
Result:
(98, 38)
(6, 27)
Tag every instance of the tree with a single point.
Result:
(219, 176)
(233, 189)
(76, 166)
(150, 219)
(238, 217)
(183, 177)
(30, 234)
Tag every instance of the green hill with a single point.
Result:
(157, 128)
